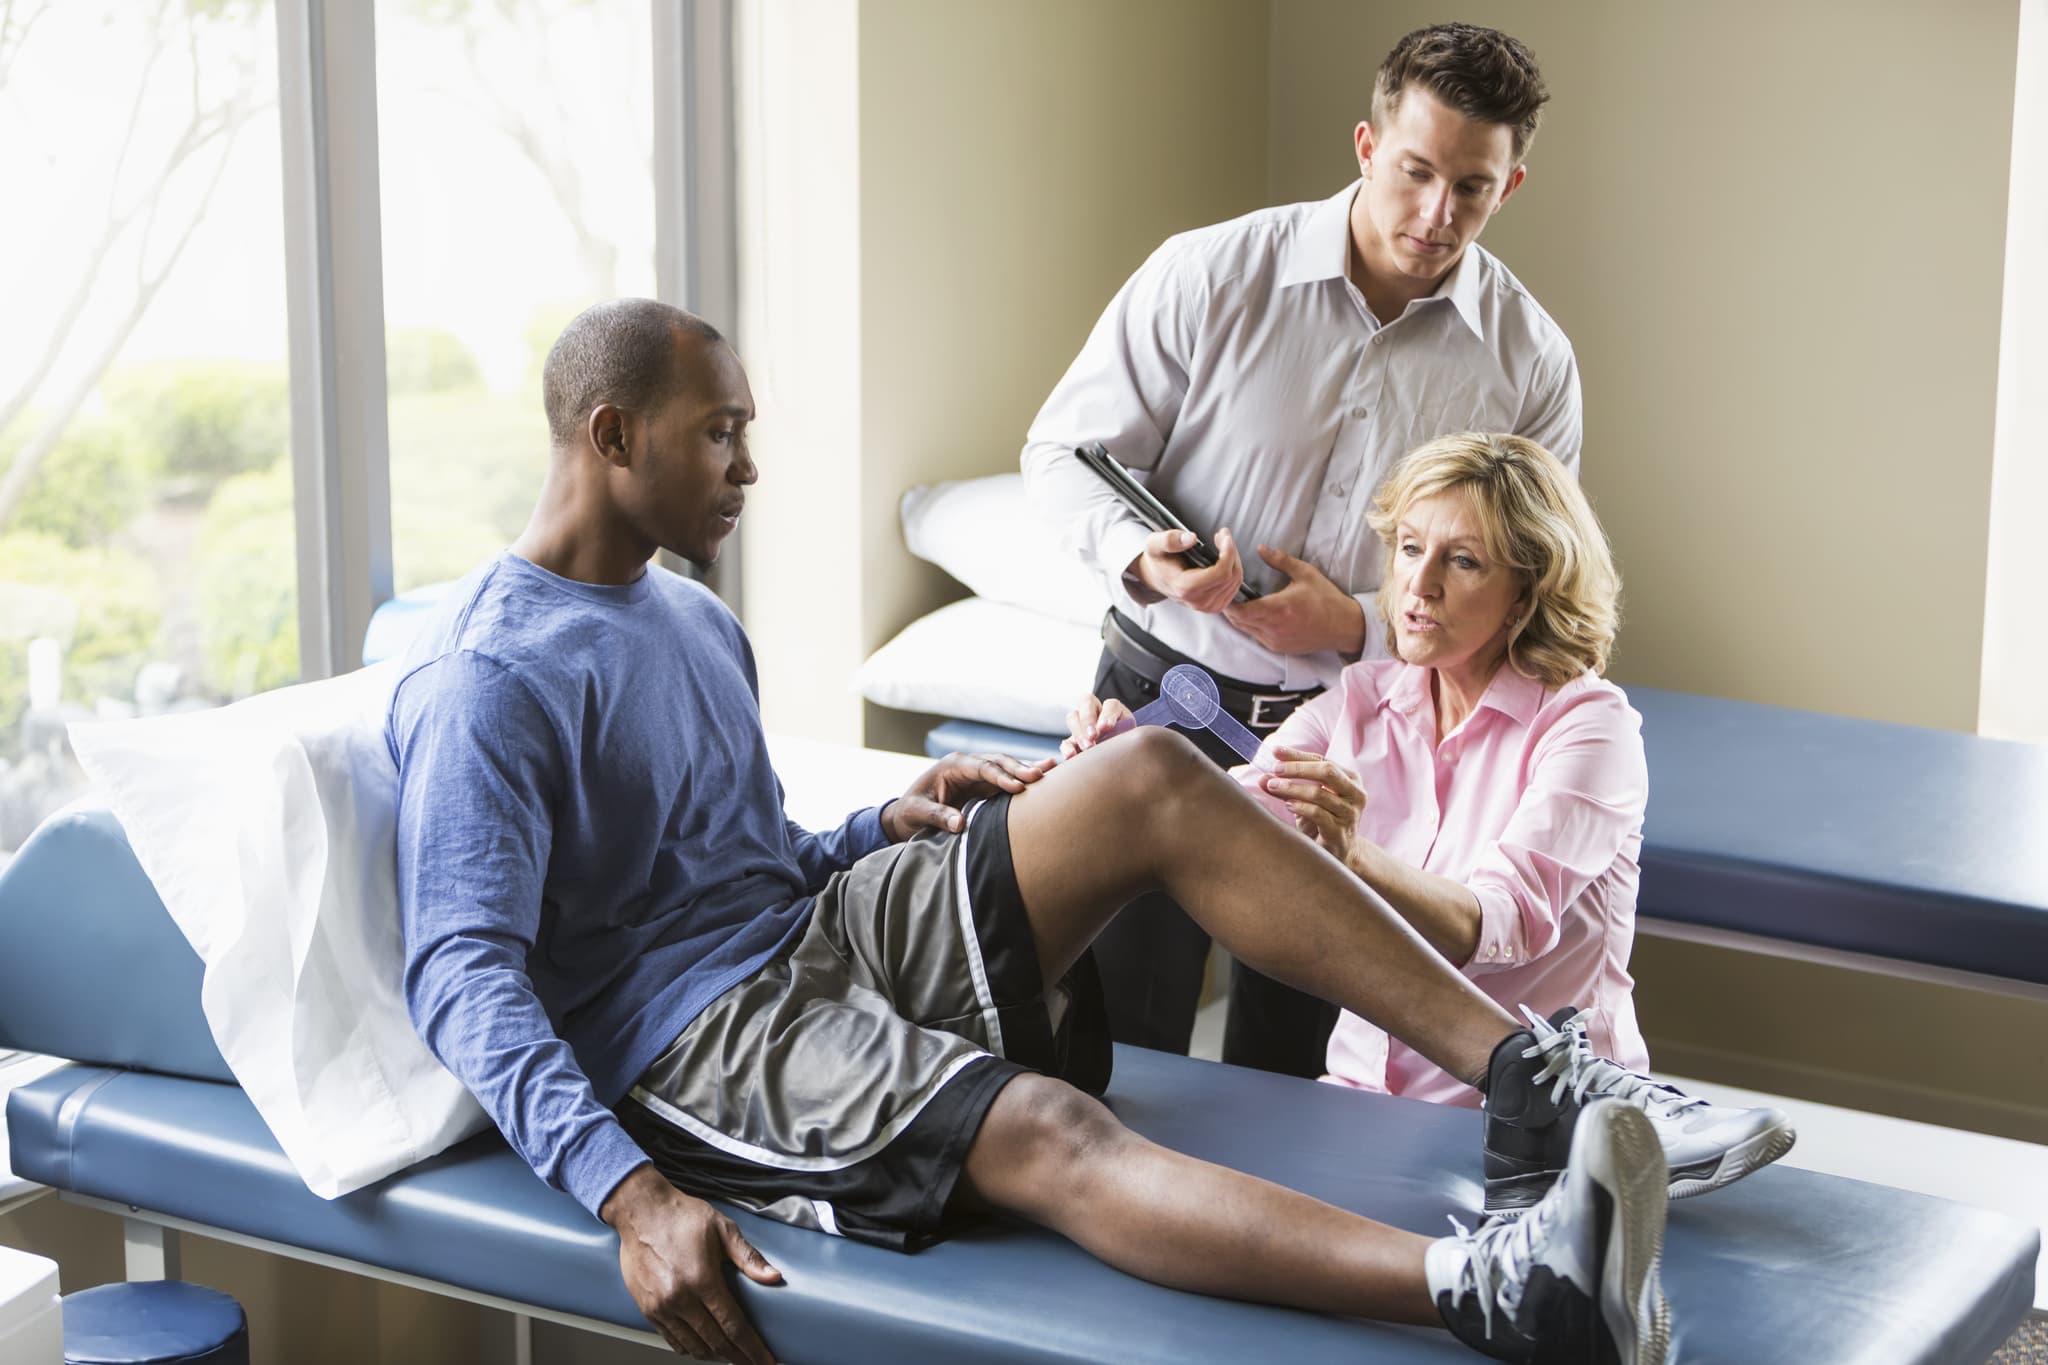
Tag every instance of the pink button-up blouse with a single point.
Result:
(1535, 803)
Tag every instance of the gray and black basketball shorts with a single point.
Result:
(840, 1086)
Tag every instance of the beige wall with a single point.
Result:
(797, 74)
(1775, 234)
(2015, 697)
(980, 178)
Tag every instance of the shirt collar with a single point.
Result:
(1462, 288)
(1409, 693)
(1321, 249)
(1514, 696)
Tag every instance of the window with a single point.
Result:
(512, 200)
(146, 530)
(193, 500)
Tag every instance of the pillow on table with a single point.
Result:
(986, 661)
(984, 533)
(268, 828)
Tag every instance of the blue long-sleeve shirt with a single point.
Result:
(591, 845)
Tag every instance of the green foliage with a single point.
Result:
(207, 419)
(427, 360)
(97, 479)
(465, 470)
(106, 600)
(247, 580)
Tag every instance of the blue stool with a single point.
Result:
(154, 1322)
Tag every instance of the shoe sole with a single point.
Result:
(1624, 1157)
(1733, 1164)
(1512, 1196)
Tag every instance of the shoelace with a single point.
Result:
(1498, 1255)
(1568, 1061)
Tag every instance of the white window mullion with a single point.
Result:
(327, 95)
(696, 222)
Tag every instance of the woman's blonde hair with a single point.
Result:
(1536, 522)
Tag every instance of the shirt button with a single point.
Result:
(1335, 490)
(1378, 337)
(1358, 414)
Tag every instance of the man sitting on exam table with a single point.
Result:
(655, 983)
(1485, 779)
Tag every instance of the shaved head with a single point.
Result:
(623, 353)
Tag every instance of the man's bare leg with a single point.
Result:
(1146, 810)
(1049, 1153)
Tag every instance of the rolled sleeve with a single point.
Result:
(1588, 787)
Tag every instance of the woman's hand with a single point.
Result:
(1091, 722)
(1327, 800)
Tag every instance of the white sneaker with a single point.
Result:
(1541, 1077)
(1575, 1279)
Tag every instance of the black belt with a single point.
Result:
(1260, 708)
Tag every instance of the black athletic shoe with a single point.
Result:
(1540, 1078)
(1575, 1279)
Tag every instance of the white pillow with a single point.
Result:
(268, 829)
(984, 533)
(986, 661)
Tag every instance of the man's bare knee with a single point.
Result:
(1173, 780)
(1041, 1144)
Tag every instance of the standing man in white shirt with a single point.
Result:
(1262, 376)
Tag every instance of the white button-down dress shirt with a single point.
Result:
(1240, 373)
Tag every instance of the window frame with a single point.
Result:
(334, 285)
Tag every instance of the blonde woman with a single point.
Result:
(1486, 780)
(1488, 784)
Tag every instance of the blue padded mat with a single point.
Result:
(1785, 1266)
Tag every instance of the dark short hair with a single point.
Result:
(622, 352)
(1480, 72)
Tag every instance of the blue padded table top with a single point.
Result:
(1787, 1265)
(1895, 840)
(1892, 840)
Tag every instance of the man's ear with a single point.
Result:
(607, 431)
(1362, 142)
(1515, 177)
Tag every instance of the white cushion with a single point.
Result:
(984, 533)
(268, 830)
(986, 661)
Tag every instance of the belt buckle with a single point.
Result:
(1260, 700)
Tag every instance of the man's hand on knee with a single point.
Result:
(935, 799)
(672, 1255)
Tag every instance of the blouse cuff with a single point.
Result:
(1503, 942)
